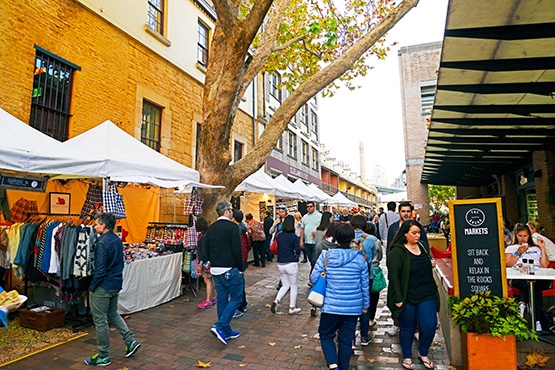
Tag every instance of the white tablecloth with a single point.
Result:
(150, 282)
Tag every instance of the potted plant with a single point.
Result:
(489, 326)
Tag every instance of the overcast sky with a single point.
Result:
(373, 113)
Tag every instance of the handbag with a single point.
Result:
(187, 261)
(318, 292)
(113, 202)
(274, 248)
(379, 281)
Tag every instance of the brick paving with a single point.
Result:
(176, 335)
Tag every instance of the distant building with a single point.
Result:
(418, 65)
(379, 176)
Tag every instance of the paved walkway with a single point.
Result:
(176, 336)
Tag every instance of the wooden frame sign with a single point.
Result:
(59, 203)
(478, 250)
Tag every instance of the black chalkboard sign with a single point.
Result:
(477, 246)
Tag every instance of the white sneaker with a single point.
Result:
(293, 311)
(416, 336)
(522, 309)
(393, 330)
(538, 326)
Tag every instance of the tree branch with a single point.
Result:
(266, 45)
(289, 43)
(280, 119)
(310, 51)
(256, 16)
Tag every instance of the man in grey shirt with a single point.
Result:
(386, 219)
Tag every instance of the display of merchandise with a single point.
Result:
(164, 232)
(141, 251)
(532, 206)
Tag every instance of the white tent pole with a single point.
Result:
(244, 202)
(174, 207)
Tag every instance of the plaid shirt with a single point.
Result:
(93, 201)
(191, 239)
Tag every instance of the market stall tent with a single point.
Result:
(316, 197)
(124, 158)
(327, 199)
(342, 200)
(26, 149)
(286, 184)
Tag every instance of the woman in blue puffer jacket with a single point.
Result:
(347, 296)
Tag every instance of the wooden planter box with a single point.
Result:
(42, 320)
(482, 352)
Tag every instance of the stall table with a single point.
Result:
(150, 282)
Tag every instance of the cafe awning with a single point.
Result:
(494, 102)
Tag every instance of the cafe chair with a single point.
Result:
(550, 292)
(440, 254)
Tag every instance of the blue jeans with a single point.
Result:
(229, 287)
(104, 309)
(365, 317)
(345, 327)
(425, 315)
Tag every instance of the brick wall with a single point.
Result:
(417, 63)
(544, 162)
(116, 74)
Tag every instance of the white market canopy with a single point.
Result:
(124, 158)
(328, 199)
(260, 182)
(299, 184)
(25, 149)
(342, 200)
(298, 193)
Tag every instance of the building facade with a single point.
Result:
(418, 65)
(68, 66)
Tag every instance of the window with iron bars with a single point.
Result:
(151, 125)
(202, 49)
(292, 144)
(155, 18)
(52, 78)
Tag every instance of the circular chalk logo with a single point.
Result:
(34, 184)
(475, 217)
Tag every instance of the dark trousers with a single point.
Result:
(365, 318)
(539, 285)
(259, 252)
(243, 305)
(374, 298)
(310, 250)
(425, 316)
(344, 326)
(269, 254)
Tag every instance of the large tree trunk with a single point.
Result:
(230, 71)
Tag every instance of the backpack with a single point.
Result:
(245, 244)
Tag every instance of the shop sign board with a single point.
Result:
(478, 250)
(22, 182)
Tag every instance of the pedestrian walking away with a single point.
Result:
(224, 251)
(201, 226)
(412, 296)
(104, 291)
(288, 255)
(346, 296)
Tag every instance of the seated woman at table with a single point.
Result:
(527, 249)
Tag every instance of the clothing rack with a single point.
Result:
(168, 224)
(55, 214)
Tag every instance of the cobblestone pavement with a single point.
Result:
(176, 335)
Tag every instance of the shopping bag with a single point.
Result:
(113, 202)
(317, 294)
(187, 261)
(379, 282)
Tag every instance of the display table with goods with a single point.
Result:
(151, 276)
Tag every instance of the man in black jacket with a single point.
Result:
(268, 222)
(224, 251)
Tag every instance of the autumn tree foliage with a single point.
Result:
(316, 45)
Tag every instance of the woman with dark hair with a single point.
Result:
(288, 254)
(412, 295)
(346, 296)
(527, 249)
(328, 242)
(327, 219)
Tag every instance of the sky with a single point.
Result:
(373, 113)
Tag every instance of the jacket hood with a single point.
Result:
(339, 257)
(328, 245)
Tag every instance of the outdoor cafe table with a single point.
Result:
(541, 274)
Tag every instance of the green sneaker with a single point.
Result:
(133, 347)
(96, 360)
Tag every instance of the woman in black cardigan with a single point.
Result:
(412, 295)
